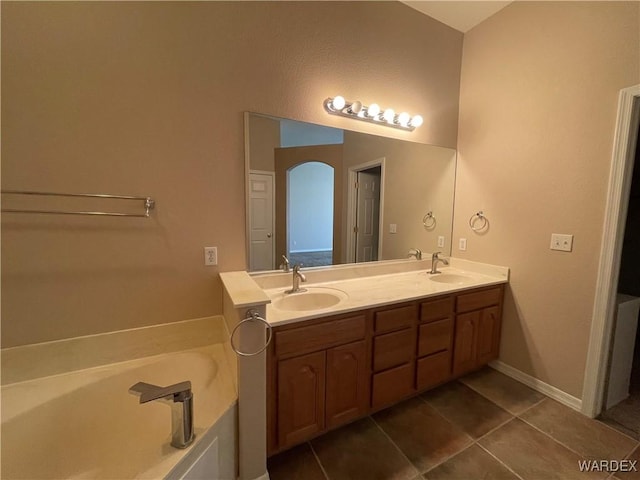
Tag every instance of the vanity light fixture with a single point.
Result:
(372, 113)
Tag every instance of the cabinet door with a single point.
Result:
(347, 382)
(464, 349)
(488, 343)
(301, 390)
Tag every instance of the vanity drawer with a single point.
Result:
(433, 369)
(392, 349)
(436, 309)
(394, 319)
(319, 336)
(392, 385)
(476, 300)
(435, 337)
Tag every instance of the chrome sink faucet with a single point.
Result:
(416, 252)
(180, 398)
(434, 262)
(297, 278)
(284, 266)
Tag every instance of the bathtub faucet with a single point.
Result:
(180, 398)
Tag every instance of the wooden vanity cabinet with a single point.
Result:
(317, 378)
(393, 358)
(435, 342)
(477, 329)
(326, 372)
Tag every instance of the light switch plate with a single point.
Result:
(562, 242)
(441, 241)
(462, 244)
(393, 228)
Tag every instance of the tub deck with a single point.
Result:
(85, 424)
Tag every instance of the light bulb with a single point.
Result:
(338, 102)
(388, 115)
(403, 119)
(373, 111)
(416, 121)
(355, 107)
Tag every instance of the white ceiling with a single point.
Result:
(462, 16)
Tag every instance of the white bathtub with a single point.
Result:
(85, 424)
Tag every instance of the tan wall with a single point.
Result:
(264, 138)
(148, 98)
(538, 101)
(418, 178)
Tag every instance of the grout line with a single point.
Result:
(395, 445)
(615, 429)
(495, 428)
(545, 397)
(326, 476)
(559, 442)
(500, 461)
(533, 406)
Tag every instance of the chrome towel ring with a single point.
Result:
(429, 221)
(253, 316)
(478, 218)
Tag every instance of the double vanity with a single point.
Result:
(361, 338)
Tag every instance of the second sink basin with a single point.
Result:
(315, 298)
(450, 278)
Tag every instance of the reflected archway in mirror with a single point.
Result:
(310, 191)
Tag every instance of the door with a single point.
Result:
(464, 349)
(301, 390)
(367, 216)
(488, 343)
(261, 245)
(347, 380)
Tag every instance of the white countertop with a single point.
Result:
(385, 289)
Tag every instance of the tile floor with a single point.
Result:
(483, 426)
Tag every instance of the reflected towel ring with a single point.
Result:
(474, 218)
(253, 317)
(429, 221)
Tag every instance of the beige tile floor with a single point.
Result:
(483, 426)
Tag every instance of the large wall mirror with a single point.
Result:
(325, 196)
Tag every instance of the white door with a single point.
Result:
(367, 216)
(261, 254)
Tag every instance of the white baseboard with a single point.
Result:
(538, 385)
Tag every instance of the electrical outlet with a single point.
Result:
(210, 256)
(462, 244)
(561, 242)
(393, 228)
(440, 241)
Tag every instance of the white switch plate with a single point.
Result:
(462, 244)
(210, 256)
(441, 241)
(561, 242)
(393, 228)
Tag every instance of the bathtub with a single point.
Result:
(85, 424)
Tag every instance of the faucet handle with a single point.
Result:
(435, 255)
(148, 392)
(285, 264)
(415, 252)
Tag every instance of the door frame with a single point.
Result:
(620, 175)
(272, 175)
(352, 205)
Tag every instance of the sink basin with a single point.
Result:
(315, 298)
(450, 278)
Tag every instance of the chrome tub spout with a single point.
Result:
(180, 398)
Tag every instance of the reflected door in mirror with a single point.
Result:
(261, 221)
(368, 215)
